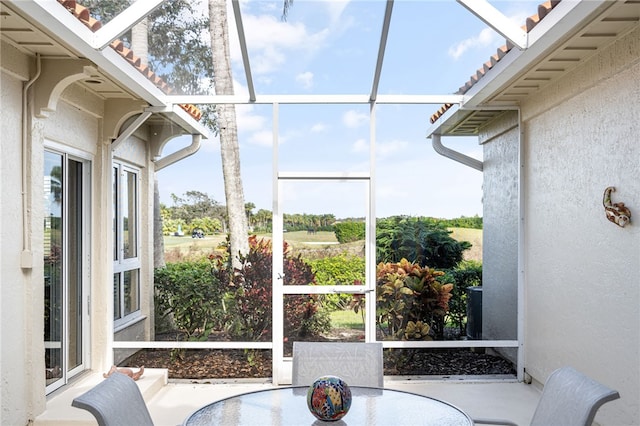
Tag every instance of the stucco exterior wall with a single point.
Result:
(76, 125)
(583, 272)
(19, 382)
(500, 223)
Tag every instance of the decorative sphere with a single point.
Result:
(329, 398)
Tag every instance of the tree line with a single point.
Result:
(198, 210)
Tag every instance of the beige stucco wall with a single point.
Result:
(500, 224)
(76, 125)
(582, 273)
(21, 387)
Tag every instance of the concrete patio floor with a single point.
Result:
(513, 401)
(170, 402)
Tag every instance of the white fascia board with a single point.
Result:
(56, 21)
(135, 13)
(182, 119)
(496, 20)
(561, 22)
(315, 99)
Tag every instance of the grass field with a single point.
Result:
(188, 246)
(346, 319)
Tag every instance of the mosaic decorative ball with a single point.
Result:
(329, 398)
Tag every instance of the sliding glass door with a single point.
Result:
(65, 268)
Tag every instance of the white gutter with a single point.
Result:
(180, 154)
(454, 155)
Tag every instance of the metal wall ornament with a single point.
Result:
(617, 213)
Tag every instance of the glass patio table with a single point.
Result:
(369, 406)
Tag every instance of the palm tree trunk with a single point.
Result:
(229, 149)
(140, 45)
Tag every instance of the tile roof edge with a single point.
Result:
(83, 14)
(531, 22)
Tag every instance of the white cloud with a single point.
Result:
(335, 9)
(270, 40)
(354, 118)
(306, 79)
(319, 128)
(248, 120)
(262, 138)
(388, 148)
(486, 37)
(360, 145)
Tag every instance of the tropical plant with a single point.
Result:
(425, 242)
(406, 292)
(253, 295)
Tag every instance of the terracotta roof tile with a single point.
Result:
(531, 22)
(84, 16)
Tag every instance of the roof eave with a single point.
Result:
(560, 24)
(63, 26)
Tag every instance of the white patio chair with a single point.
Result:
(358, 364)
(569, 398)
(116, 401)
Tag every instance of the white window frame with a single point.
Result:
(131, 264)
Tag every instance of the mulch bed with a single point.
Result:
(237, 363)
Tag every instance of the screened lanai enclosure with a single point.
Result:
(333, 108)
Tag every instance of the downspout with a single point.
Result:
(180, 154)
(26, 257)
(454, 155)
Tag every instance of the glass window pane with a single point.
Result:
(53, 261)
(117, 311)
(74, 297)
(129, 219)
(131, 291)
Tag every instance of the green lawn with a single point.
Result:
(346, 319)
(301, 239)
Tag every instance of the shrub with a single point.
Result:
(252, 299)
(191, 295)
(407, 292)
(349, 231)
(343, 269)
(467, 274)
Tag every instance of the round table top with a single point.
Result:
(288, 406)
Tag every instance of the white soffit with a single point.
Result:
(68, 30)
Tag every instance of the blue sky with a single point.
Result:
(330, 47)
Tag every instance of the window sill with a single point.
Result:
(128, 322)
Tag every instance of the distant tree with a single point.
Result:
(195, 204)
